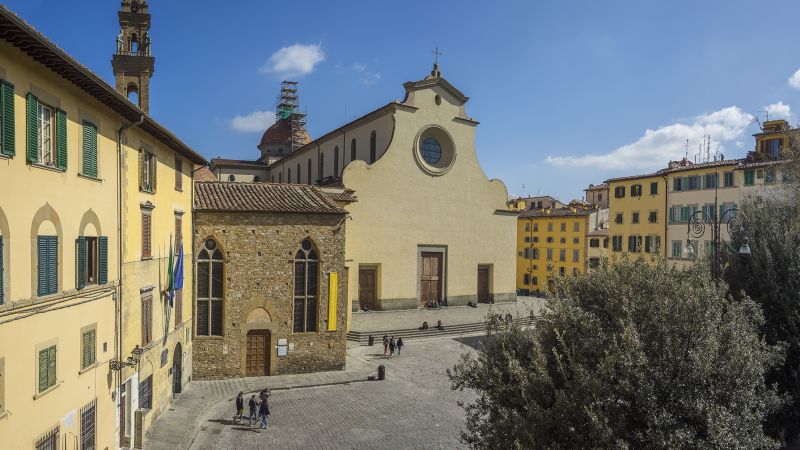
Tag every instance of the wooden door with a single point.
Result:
(483, 284)
(367, 287)
(258, 343)
(122, 412)
(431, 278)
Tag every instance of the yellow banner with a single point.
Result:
(333, 294)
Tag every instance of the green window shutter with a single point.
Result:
(33, 128)
(7, 146)
(141, 169)
(51, 366)
(80, 262)
(43, 369)
(42, 267)
(88, 347)
(61, 139)
(52, 264)
(102, 260)
(2, 300)
(89, 149)
(154, 171)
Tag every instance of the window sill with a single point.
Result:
(179, 189)
(89, 177)
(89, 367)
(47, 391)
(4, 156)
(145, 191)
(208, 338)
(46, 167)
(146, 258)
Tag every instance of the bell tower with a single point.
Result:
(133, 61)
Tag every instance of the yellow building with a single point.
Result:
(637, 206)
(550, 243)
(70, 194)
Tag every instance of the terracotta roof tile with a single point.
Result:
(560, 212)
(203, 173)
(263, 197)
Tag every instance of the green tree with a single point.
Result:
(770, 275)
(630, 356)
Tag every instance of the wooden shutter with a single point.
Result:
(153, 168)
(102, 260)
(89, 149)
(141, 169)
(43, 369)
(2, 300)
(179, 173)
(178, 307)
(80, 262)
(52, 264)
(33, 128)
(7, 146)
(147, 318)
(178, 232)
(61, 139)
(51, 366)
(88, 348)
(42, 266)
(146, 234)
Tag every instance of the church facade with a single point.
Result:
(428, 225)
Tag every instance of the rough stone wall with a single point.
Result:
(259, 254)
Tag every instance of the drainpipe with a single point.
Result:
(666, 214)
(120, 246)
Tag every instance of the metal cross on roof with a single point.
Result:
(437, 53)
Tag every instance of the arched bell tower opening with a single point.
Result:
(133, 61)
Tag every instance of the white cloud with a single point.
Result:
(294, 61)
(367, 77)
(255, 122)
(657, 147)
(794, 80)
(779, 110)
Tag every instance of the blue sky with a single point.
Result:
(567, 92)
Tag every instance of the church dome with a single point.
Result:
(281, 133)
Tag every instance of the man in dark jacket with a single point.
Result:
(263, 411)
(253, 410)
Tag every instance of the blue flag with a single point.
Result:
(178, 280)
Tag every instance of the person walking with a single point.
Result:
(263, 411)
(253, 404)
(391, 347)
(385, 344)
(239, 407)
(399, 345)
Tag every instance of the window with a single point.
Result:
(685, 213)
(549, 254)
(7, 135)
(576, 227)
(594, 243)
(535, 281)
(635, 217)
(178, 307)
(209, 290)
(677, 249)
(600, 197)
(724, 208)
(563, 240)
(605, 242)
(710, 180)
(616, 243)
(88, 427)
(562, 271)
(309, 170)
(306, 277)
(536, 239)
(674, 213)
(231, 178)
(89, 149)
(373, 148)
(534, 253)
(771, 147)
(91, 257)
(769, 175)
(178, 174)
(652, 217)
(562, 255)
(563, 226)
(536, 227)
(634, 244)
(147, 171)
(618, 218)
(652, 244)
(335, 161)
(654, 188)
(47, 368)
(2, 286)
(526, 279)
(178, 231)
(576, 255)
(431, 151)
(299, 177)
(550, 226)
(146, 393)
(709, 212)
(49, 441)
(727, 179)
(636, 190)
(677, 184)
(88, 348)
(353, 153)
(289, 175)
(47, 272)
(47, 134)
(694, 182)
(576, 240)
(527, 227)
(550, 239)
(619, 192)
(280, 177)
(147, 317)
(147, 222)
(527, 239)
(321, 168)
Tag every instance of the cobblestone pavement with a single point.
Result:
(398, 320)
(414, 408)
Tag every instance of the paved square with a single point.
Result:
(413, 408)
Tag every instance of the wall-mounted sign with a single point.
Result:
(283, 349)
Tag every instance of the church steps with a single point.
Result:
(362, 337)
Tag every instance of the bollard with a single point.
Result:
(371, 341)
(381, 372)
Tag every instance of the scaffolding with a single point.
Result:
(288, 109)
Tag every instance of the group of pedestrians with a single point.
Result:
(390, 345)
(259, 408)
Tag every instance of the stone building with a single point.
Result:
(133, 62)
(271, 280)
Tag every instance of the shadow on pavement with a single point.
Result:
(475, 342)
(224, 421)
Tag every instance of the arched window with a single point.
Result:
(231, 178)
(353, 150)
(372, 145)
(133, 94)
(309, 171)
(321, 165)
(299, 178)
(306, 276)
(210, 274)
(134, 44)
(336, 161)
(289, 175)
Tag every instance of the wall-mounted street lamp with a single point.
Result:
(133, 360)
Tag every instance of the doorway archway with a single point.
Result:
(177, 369)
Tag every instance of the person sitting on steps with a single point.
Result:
(439, 325)
(424, 325)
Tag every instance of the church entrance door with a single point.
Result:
(367, 287)
(258, 346)
(483, 285)
(431, 277)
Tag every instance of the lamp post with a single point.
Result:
(133, 360)
(734, 221)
